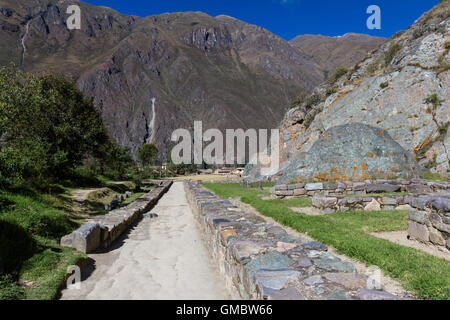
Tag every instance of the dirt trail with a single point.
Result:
(160, 258)
(81, 195)
(401, 237)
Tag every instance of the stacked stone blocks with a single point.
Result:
(303, 190)
(259, 260)
(429, 220)
(101, 232)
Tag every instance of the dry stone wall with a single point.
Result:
(302, 190)
(368, 203)
(429, 220)
(102, 231)
(262, 261)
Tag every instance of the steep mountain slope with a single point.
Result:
(333, 52)
(219, 70)
(403, 88)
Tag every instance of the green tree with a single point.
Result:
(47, 127)
(148, 155)
(114, 160)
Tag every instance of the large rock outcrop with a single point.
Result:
(403, 88)
(352, 152)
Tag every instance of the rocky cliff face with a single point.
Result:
(222, 71)
(403, 88)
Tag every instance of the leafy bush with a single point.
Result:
(312, 100)
(47, 127)
(148, 155)
(340, 71)
(373, 67)
(112, 162)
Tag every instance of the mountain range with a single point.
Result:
(151, 75)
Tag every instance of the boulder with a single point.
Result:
(350, 280)
(322, 202)
(418, 231)
(86, 239)
(304, 262)
(269, 261)
(314, 187)
(313, 280)
(353, 151)
(418, 188)
(441, 204)
(374, 205)
(417, 216)
(436, 237)
(276, 279)
(299, 192)
(284, 193)
(382, 188)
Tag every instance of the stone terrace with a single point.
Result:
(302, 190)
(104, 230)
(429, 220)
(428, 203)
(262, 261)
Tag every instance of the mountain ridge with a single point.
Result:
(222, 71)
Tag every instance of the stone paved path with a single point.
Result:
(160, 258)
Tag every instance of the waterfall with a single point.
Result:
(151, 126)
(24, 48)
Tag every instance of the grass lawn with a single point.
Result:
(424, 274)
(30, 229)
(31, 225)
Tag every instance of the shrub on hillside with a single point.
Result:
(390, 54)
(340, 72)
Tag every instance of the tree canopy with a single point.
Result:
(47, 127)
(148, 155)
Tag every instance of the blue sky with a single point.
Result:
(289, 18)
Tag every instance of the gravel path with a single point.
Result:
(401, 237)
(160, 258)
